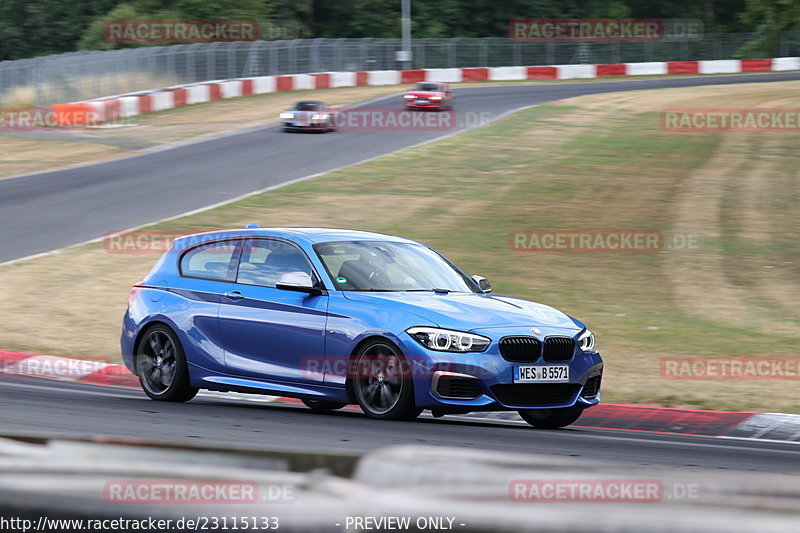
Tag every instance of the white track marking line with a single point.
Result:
(270, 188)
(106, 391)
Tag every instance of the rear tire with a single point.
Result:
(382, 384)
(322, 405)
(161, 366)
(551, 418)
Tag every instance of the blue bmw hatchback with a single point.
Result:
(337, 317)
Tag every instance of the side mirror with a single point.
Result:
(483, 283)
(298, 282)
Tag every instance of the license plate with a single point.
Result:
(422, 101)
(541, 374)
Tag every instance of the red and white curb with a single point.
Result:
(761, 426)
(65, 369)
(129, 105)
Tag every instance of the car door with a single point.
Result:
(270, 333)
(206, 270)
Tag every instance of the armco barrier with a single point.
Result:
(124, 106)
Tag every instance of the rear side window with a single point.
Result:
(215, 261)
(265, 261)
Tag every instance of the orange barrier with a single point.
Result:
(81, 114)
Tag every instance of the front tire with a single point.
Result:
(382, 382)
(161, 366)
(551, 418)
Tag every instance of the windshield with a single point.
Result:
(428, 87)
(308, 106)
(390, 266)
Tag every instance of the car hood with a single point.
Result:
(425, 94)
(305, 112)
(470, 311)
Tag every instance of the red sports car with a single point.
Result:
(429, 96)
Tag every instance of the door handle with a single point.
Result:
(235, 296)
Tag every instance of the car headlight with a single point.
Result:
(317, 116)
(586, 342)
(436, 98)
(287, 115)
(446, 340)
(409, 97)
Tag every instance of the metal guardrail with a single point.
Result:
(84, 75)
(46, 481)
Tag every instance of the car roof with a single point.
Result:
(309, 235)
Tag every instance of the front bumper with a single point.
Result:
(488, 379)
(429, 105)
(293, 125)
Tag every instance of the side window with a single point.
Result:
(265, 261)
(215, 261)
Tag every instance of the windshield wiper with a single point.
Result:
(371, 290)
(438, 291)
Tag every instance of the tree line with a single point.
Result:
(31, 28)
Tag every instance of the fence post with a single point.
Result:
(273, 58)
(232, 62)
(210, 62)
(292, 56)
(39, 99)
(338, 49)
(314, 61)
(363, 50)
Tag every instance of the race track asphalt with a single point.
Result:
(45, 407)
